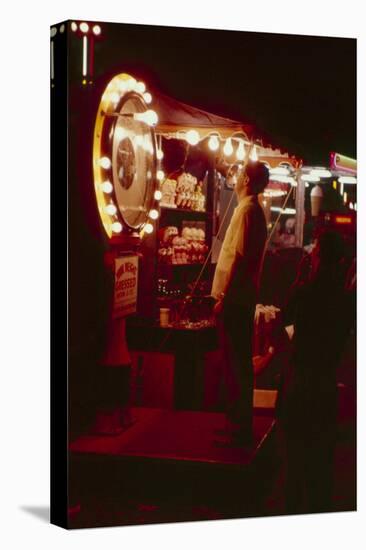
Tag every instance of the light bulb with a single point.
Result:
(116, 227)
(122, 85)
(105, 163)
(347, 179)
(62, 29)
(253, 154)
(97, 30)
(131, 83)
(107, 187)
(214, 143)
(149, 228)
(279, 171)
(351, 205)
(321, 172)
(147, 97)
(228, 148)
(345, 197)
(159, 154)
(120, 133)
(240, 152)
(111, 209)
(160, 175)
(84, 27)
(74, 26)
(310, 178)
(153, 214)
(114, 97)
(158, 195)
(148, 117)
(192, 137)
(53, 32)
(140, 87)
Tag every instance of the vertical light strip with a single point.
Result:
(52, 61)
(341, 189)
(85, 55)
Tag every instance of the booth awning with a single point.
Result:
(176, 116)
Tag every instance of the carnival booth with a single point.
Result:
(164, 175)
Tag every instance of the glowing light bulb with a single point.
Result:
(140, 87)
(310, 178)
(122, 85)
(148, 117)
(279, 171)
(347, 179)
(111, 209)
(97, 30)
(192, 137)
(160, 175)
(149, 228)
(228, 148)
(116, 227)
(105, 163)
(159, 154)
(107, 187)
(120, 133)
(84, 27)
(158, 195)
(74, 26)
(153, 214)
(240, 152)
(344, 198)
(321, 172)
(214, 143)
(114, 97)
(131, 83)
(351, 205)
(147, 97)
(253, 154)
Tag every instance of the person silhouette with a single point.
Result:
(320, 310)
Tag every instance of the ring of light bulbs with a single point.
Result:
(118, 90)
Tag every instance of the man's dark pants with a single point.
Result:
(235, 329)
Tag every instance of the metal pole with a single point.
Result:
(300, 210)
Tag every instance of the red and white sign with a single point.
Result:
(125, 286)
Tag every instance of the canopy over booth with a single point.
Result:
(176, 118)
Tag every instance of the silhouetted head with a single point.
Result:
(257, 177)
(330, 247)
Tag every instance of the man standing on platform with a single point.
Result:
(235, 288)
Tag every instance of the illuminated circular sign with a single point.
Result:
(124, 157)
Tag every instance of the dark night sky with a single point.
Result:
(300, 92)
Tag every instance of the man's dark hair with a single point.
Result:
(258, 176)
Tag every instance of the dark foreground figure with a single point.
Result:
(321, 311)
